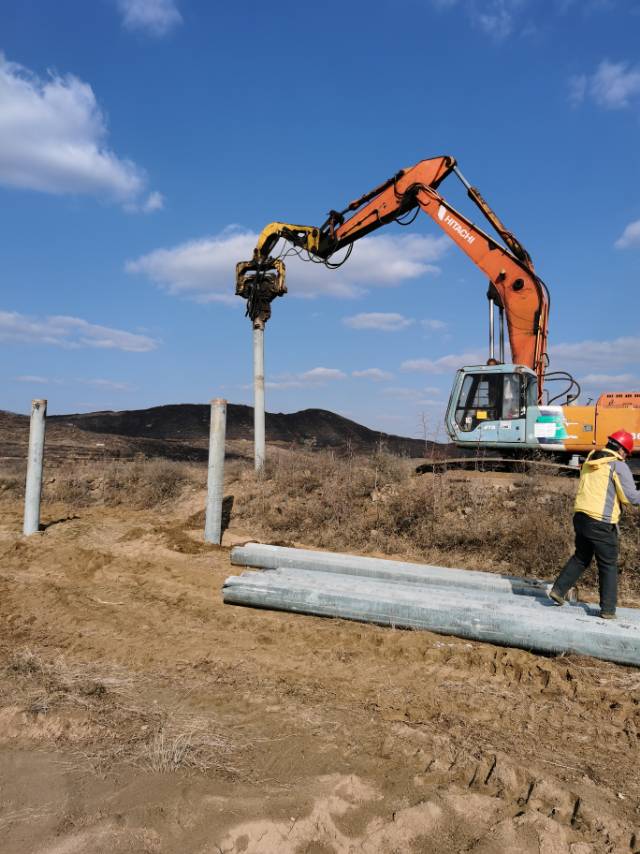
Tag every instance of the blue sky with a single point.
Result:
(145, 143)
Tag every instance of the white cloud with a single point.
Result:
(630, 237)
(204, 269)
(97, 383)
(314, 377)
(375, 374)
(154, 17)
(323, 374)
(444, 364)
(70, 332)
(613, 85)
(153, 202)
(382, 321)
(611, 380)
(53, 139)
(389, 259)
(501, 19)
(434, 325)
(496, 18)
(112, 385)
(601, 354)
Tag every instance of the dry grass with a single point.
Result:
(197, 748)
(322, 498)
(43, 685)
(115, 717)
(139, 483)
(521, 524)
(12, 475)
(146, 483)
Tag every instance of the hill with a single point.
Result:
(181, 431)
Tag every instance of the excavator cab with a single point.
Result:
(496, 406)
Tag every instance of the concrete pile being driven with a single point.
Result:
(481, 606)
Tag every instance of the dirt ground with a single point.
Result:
(140, 714)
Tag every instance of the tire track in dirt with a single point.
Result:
(481, 748)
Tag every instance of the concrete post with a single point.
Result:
(215, 476)
(258, 394)
(33, 488)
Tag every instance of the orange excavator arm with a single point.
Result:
(513, 283)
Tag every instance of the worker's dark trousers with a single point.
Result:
(599, 539)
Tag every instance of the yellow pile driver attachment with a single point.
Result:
(259, 281)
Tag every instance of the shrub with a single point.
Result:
(520, 524)
(139, 483)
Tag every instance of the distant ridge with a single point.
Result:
(181, 431)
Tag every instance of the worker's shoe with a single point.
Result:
(607, 615)
(557, 598)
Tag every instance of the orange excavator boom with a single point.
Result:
(513, 283)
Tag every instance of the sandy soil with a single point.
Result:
(139, 714)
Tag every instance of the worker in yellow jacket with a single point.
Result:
(606, 483)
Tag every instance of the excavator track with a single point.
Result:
(489, 464)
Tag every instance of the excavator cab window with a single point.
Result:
(490, 397)
(513, 397)
(480, 400)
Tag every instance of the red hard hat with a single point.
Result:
(623, 438)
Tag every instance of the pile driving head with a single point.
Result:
(259, 281)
